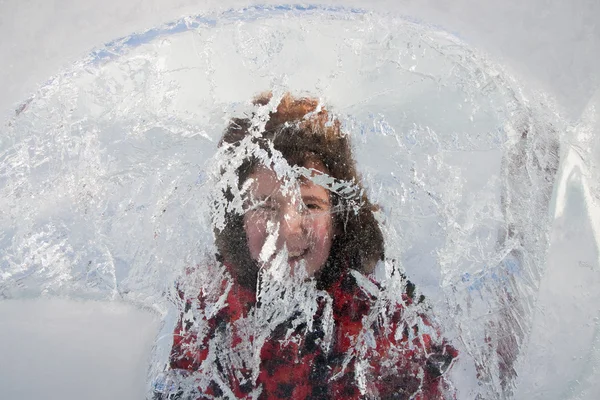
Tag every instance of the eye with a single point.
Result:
(266, 206)
(312, 206)
(315, 204)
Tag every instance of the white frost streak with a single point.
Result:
(269, 248)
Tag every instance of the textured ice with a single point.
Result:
(107, 174)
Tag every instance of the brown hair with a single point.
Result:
(302, 133)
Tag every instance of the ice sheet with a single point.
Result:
(103, 187)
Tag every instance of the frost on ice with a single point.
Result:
(116, 184)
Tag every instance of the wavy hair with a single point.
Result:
(302, 132)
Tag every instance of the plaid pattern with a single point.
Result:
(391, 359)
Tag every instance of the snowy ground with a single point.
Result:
(59, 348)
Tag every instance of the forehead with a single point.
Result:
(265, 182)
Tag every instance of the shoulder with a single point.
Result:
(387, 328)
(365, 303)
(386, 284)
(393, 309)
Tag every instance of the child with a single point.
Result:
(289, 310)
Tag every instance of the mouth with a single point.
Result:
(297, 255)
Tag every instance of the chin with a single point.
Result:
(301, 266)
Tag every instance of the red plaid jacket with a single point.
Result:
(387, 353)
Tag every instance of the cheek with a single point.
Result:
(322, 233)
(256, 233)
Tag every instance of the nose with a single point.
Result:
(291, 226)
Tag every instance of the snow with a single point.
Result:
(68, 349)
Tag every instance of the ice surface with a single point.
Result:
(106, 172)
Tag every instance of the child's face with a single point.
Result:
(299, 220)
